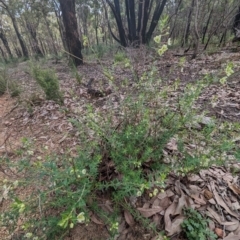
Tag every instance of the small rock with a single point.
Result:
(228, 217)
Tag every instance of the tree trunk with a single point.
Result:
(5, 43)
(19, 36)
(15, 26)
(196, 33)
(3, 54)
(187, 31)
(135, 33)
(72, 36)
(156, 16)
(207, 25)
(35, 46)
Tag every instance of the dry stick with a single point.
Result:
(11, 110)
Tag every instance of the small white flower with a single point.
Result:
(28, 235)
(139, 194)
(15, 183)
(30, 153)
(81, 217)
(157, 39)
(84, 171)
(169, 42)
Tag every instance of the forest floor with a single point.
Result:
(46, 124)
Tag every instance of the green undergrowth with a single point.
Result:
(48, 81)
(195, 226)
(8, 85)
(122, 154)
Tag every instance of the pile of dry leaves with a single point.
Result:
(215, 193)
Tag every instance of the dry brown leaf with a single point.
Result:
(232, 237)
(237, 232)
(194, 189)
(211, 213)
(162, 195)
(234, 188)
(129, 219)
(176, 225)
(228, 177)
(172, 145)
(165, 203)
(148, 212)
(178, 188)
(221, 202)
(212, 201)
(235, 206)
(198, 200)
(95, 219)
(167, 220)
(211, 225)
(195, 178)
(170, 193)
(157, 219)
(156, 202)
(234, 227)
(181, 204)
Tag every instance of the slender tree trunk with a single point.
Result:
(5, 43)
(71, 30)
(35, 46)
(187, 31)
(135, 34)
(3, 54)
(156, 16)
(196, 33)
(19, 36)
(206, 27)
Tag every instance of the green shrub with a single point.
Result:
(196, 227)
(49, 82)
(8, 85)
(119, 57)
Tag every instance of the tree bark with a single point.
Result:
(71, 30)
(156, 16)
(35, 46)
(5, 43)
(15, 26)
(136, 32)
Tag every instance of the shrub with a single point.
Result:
(196, 227)
(49, 82)
(8, 85)
(119, 57)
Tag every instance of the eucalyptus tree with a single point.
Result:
(236, 26)
(3, 37)
(71, 30)
(138, 28)
(32, 17)
(10, 8)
